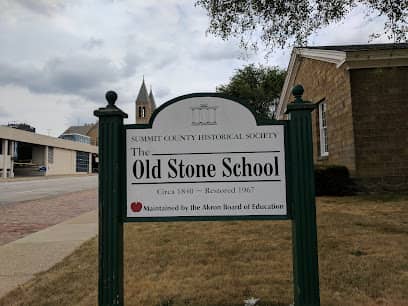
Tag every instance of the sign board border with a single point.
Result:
(149, 125)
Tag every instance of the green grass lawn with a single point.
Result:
(363, 260)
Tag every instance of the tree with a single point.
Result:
(282, 22)
(259, 86)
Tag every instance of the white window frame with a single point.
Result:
(324, 147)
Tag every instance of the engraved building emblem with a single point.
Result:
(204, 115)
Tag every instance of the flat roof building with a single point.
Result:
(26, 153)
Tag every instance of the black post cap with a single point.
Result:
(111, 97)
(297, 92)
(111, 109)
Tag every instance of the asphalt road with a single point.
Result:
(16, 191)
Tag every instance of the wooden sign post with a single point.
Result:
(205, 157)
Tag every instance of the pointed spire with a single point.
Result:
(142, 97)
(152, 100)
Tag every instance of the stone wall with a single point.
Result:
(380, 117)
(325, 80)
(148, 112)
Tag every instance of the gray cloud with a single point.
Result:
(81, 112)
(93, 43)
(214, 52)
(76, 75)
(69, 75)
(60, 56)
(148, 58)
(161, 93)
(3, 113)
(131, 62)
(44, 7)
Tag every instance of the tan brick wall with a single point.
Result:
(380, 115)
(324, 80)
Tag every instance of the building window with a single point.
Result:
(51, 155)
(82, 161)
(76, 137)
(142, 112)
(324, 146)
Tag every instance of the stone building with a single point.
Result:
(145, 105)
(361, 116)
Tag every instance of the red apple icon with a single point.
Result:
(136, 206)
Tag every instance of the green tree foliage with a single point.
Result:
(259, 86)
(282, 22)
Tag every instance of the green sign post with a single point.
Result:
(273, 155)
(111, 158)
(304, 232)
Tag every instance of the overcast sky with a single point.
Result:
(58, 58)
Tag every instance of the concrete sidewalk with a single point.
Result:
(21, 259)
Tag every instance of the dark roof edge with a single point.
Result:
(360, 47)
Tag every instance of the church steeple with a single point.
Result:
(151, 97)
(145, 104)
(142, 97)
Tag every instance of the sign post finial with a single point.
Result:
(111, 97)
(297, 92)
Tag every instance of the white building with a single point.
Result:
(42, 155)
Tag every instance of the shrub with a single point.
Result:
(333, 180)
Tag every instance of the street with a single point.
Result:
(18, 191)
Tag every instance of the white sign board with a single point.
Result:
(205, 156)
